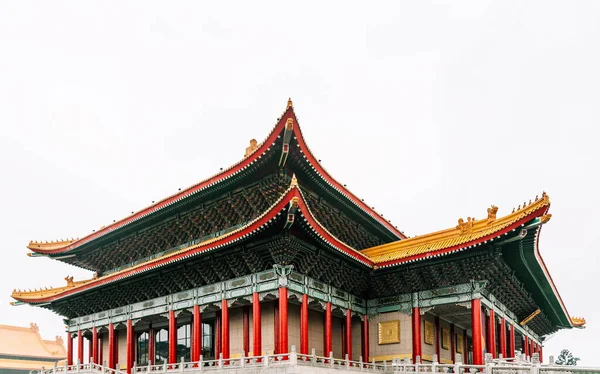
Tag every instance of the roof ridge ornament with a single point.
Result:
(294, 182)
(254, 145)
(491, 211)
(290, 104)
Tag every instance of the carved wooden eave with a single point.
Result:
(292, 200)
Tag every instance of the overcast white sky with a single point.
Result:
(430, 112)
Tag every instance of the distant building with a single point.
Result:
(22, 349)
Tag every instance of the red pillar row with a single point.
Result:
(224, 328)
(526, 345)
(511, 341)
(172, 337)
(129, 357)
(218, 335)
(257, 346)
(304, 325)
(283, 320)
(365, 338)
(416, 333)
(491, 333)
(348, 332)
(503, 337)
(196, 334)
(94, 350)
(151, 345)
(111, 346)
(276, 328)
(79, 347)
(69, 349)
(476, 328)
(328, 343)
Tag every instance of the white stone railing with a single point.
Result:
(294, 362)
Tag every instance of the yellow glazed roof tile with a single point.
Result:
(464, 232)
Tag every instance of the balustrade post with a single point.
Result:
(243, 359)
(220, 364)
(201, 363)
(266, 358)
(77, 367)
(181, 365)
(488, 363)
(347, 363)
(293, 357)
(165, 367)
(331, 363)
(360, 363)
(457, 363)
(54, 368)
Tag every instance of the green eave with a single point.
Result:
(520, 255)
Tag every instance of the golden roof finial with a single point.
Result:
(289, 104)
(492, 212)
(252, 148)
(294, 182)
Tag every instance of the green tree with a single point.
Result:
(566, 358)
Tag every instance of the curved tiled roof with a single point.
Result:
(26, 342)
(465, 234)
(60, 246)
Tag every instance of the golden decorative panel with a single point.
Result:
(389, 332)
(459, 343)
(445, 338)
(429, 333)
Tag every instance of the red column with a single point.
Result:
(541, 355)
(437, 338)
(531, 352)
(349, 333)
(69, 349)
(100, 342)
(111, 346)
(526, 345)
(246, 329)
(218, 335)
(365, 338)
(283, 320)
(476, 328)
(225, 328)
(304, 325)
(257, 346)
(503, 337)
(116, 347)
(452, 344)
(172, 337)
(416, 334)
(511, 341)
(94, 350)
(328, 337)
(79, 347)
(276, 333)
(197, 334)
(129, 346)
(151, 345)
(491, 330)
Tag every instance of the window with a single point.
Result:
(184, 342)
(208, 341)
(161, 347)
(142, 348)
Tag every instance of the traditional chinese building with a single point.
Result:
(22, 349)
(274, 252)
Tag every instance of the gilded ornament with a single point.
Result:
(389, 332)
(69, 280)
(429, 333)
(252, 148)
(459, 343)
(445, 338)
(492, 212)
(545, 218)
